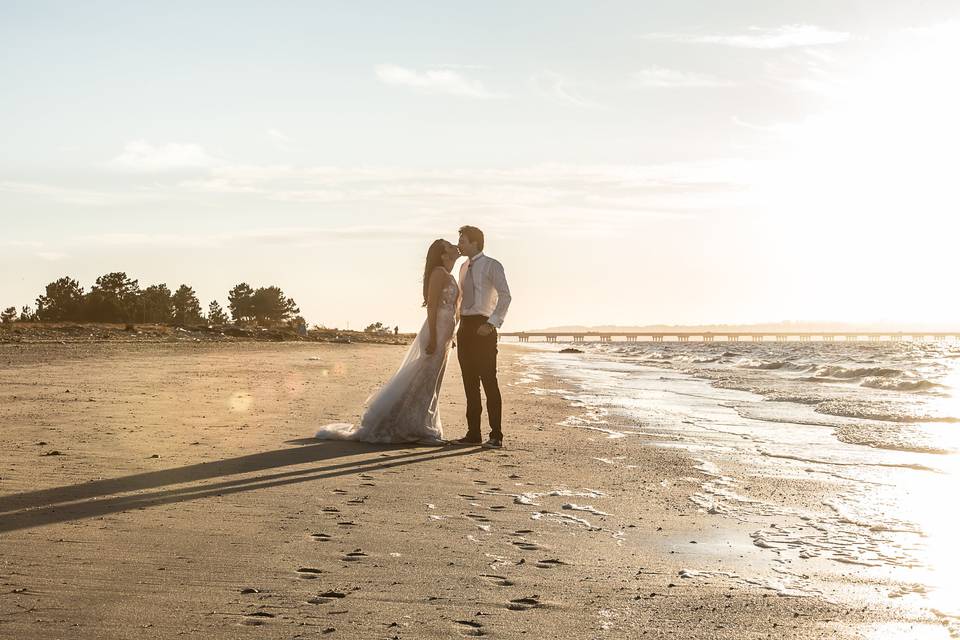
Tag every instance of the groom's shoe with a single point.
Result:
(493, 443)
(468, 440)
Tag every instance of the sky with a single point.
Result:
(629, 162)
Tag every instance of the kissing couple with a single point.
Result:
(406, 408)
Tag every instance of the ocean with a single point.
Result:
(841, 460)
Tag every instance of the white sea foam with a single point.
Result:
(570, 506)
(774, 426)
(563, 518)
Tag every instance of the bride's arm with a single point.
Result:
(437, 279)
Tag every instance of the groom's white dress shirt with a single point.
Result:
(491, 295)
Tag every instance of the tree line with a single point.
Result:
(119, 299)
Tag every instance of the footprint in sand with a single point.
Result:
(526, 546)
(308, 573)
(549, 563)
(321, 537)
(497, 507)
(500, 581)
(347, 523)
(330, 510)
(480, 482)
(339, 491)
(354, 556)
(523, 604)
(257, 618)
(478, 518)
(470, 628)
(327, 597)
(467, 496)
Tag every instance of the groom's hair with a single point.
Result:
(474, 235)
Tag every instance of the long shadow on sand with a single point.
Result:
(92, 499)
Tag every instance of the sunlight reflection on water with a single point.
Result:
(893, 480)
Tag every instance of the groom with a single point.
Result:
(484, 304)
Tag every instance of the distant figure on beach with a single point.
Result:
(485, 300)
(396, 330)
(406, 408)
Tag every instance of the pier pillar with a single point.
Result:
(683, 338)
(781, 338)
(757, 338)
(657, 338)
(708, 338)
(851, 338)
(829, 338)
(733, 338)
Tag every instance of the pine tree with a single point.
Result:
(215, 315)
(113, 298)
(186, 307)
(241, 302)
(270, 305)
(62, 300)
(8, 315)
(156, 304)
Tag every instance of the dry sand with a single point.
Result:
(174, 490)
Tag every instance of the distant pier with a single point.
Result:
(751, 336)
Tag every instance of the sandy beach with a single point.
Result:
(174, 490)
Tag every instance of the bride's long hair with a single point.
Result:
(434, 259)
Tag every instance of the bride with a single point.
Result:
(406, 408)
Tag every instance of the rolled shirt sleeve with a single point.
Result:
(498, 280)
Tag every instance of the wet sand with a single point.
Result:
(173, 490)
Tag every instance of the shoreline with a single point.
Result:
(188, 498)
(140, 333)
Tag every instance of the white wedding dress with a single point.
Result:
(406, 408)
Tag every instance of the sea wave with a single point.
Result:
(890, 437)
(843, 373)
(883, 411)
(900, 385)
(769, 366)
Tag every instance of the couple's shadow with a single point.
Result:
(101, 497)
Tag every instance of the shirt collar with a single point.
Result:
(476, 257)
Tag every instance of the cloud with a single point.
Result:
(279, 139)
(554, 85)
(370, 200)
(71, 195)
(29, 244)
(139, 156)
(50, 256)
(659, 77)
(442, 80)
(166, 240)
(784, 37)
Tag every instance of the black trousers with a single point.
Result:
(478, 364)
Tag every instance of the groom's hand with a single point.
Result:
(485, 329)
(431, 347)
